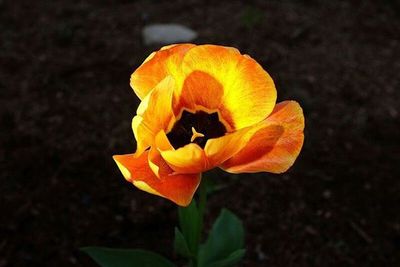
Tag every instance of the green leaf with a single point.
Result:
(180, 245)
(232, 259)
(109, 257)
(189, 221)
(225, 239)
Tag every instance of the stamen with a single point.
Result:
(195, 135)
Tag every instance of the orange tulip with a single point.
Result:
(206, 106)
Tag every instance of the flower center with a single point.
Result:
(195, 128)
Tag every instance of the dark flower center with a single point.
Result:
(195, 128)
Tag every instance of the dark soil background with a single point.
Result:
(66, 108)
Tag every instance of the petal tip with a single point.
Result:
(125, 172)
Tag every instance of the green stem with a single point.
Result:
(191, 222)
(202, 203)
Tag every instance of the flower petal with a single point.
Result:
(201, 91)
(178, 188)
(249, 93)
(263, 154)
(154, 114)
(187, 159)
(156, 67)
(153, 159)
(218, 150)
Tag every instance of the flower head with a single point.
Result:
(202, 107)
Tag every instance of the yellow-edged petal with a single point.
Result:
(263, 154)
(249, 94)
(152, 159)
(156, 67)
(178, 188)
(154, 114)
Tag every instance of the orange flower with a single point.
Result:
(202, 107)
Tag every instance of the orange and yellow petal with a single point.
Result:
(187, 159)
(201, 91)
(220, 149)
(154, 114)
(156, 67)
(178, 188)
(248, 92)
(153, 158)
(263, 153)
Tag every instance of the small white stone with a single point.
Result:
(167, 34)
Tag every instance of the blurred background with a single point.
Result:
(66, 107)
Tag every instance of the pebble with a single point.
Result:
(167, 34)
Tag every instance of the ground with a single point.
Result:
(66, 108)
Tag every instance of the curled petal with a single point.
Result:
(218, 150)
(249, 93)
(187, 159)
(156, 67)
(263, 153)
(178, 188)
(154, 114)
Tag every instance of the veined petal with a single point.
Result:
(218, 150)
(178, 188)
(263, 154)
(156, 67)
(201, 91)
(154, 114)
(249, 94)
